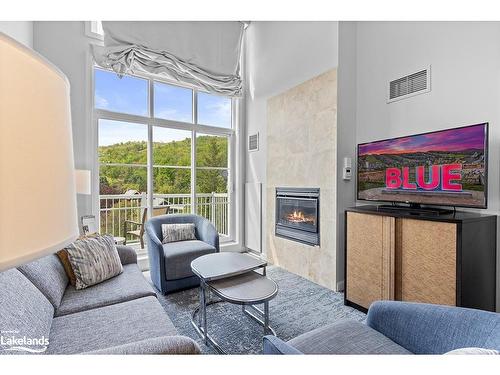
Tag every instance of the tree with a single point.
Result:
(211, 151)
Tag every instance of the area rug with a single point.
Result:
(299, 307)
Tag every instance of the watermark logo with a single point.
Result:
(13, 341)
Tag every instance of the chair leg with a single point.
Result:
(142, 243)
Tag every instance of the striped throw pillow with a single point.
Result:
(177, 232)
(94, 259)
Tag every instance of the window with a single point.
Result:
(173, 102)
(155, 153)
(172, 169)
(125, 95)
(214, 110)
(212, 178)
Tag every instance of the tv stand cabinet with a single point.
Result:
(447, 259)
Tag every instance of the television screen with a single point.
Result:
(446, 168)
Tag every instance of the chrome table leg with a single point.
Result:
(204, 312)
(260, 316)
(200, 308)
(266, 317)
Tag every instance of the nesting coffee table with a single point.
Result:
(235, 278)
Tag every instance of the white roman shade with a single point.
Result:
(205, 55)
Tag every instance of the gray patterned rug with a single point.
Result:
(299, 307)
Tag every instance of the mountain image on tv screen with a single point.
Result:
(445, 167)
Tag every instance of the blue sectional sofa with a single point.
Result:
(398, 328)
(119, 316)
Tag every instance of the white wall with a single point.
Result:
(465, 73)
(66, 46)
(278, 56)
(22, 31)
(346, 133)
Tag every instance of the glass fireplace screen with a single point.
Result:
(300, 213)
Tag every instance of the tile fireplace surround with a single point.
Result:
(301, 151)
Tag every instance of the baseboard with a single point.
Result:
(231, 246)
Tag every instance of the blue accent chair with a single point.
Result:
(398, 328)
(170, 264)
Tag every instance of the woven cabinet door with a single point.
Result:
(426, 261)
(370, 258)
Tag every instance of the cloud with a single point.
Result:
(167, 113)
(172, 114)
(221, 108)
(101, 102)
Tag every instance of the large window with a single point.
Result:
(161, 146)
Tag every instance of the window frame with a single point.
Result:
(195, 129)
(91, 30)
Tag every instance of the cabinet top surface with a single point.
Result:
(456, 217)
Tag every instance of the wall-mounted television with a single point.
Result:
(446, 168)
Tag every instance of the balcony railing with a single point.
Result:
(115, 209)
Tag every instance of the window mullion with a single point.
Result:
(150, 149)
(193, 153)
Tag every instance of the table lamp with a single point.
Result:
(37, 174)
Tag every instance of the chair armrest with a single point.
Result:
(208, 233)
(156, 256)
(127, 254)
(151, 236)
(434, 329)
(125, 231)
(274, 345)
(132, 222)
(156, 345)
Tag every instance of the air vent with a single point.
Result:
(253, 142)
(410, 85)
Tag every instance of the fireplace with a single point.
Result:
(297, 214)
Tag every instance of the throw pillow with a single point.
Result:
(178, 232)
(63, 257)
(473, 351)
(93, 260)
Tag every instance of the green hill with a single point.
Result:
(211, 151)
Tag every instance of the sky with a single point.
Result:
(466, 138)
(113, 132)
(130, 95)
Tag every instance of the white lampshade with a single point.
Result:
(37, 173)
(83, 182)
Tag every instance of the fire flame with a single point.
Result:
(299, 217)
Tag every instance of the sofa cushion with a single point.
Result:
(127, 286)
(49, 276)
(179, 255)
(109, 326)
(24, 310)
(434, 329)
(346, 337)
(156, 345)
(127, 254)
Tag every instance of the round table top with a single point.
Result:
(250, 288)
